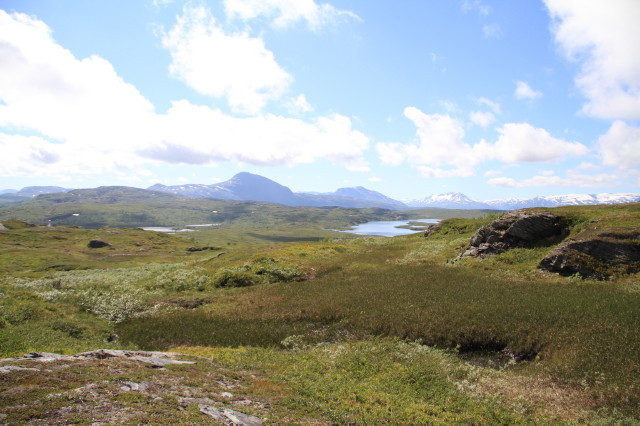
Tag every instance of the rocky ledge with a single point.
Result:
(516, 229)
(599, 256)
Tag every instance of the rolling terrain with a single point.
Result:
(334, 330)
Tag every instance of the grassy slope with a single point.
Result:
(575, 342)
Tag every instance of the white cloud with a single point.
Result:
(482, 118)
(521, 142)
(441, 151)
(44, 88)
(524, 91)
(492, 105)
(391, 153)
(492, 30)
(620, 146)
(237, 66)
(476, 6)
(298, 105)
(375, 179)
(193, 134)
(285, 13)
(89, 121)
(572, 179)
(604, 39)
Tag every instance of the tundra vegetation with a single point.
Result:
(292, 323)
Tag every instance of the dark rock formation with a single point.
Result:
(98, 244)
(598, 257)
(515, 229)
(432, 229)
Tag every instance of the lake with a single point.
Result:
(389, 228)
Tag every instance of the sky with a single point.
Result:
(492, 98)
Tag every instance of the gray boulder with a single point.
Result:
(516, 229)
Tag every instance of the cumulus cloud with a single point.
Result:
(525, 92)
(285, 13)
(237, 66)
(441, 150)
(620, 146)
(89, 120)
(192, 134)
(44, 88)
(521, 142)
(603, 39)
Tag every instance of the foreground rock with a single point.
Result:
(229, 417)
(599, 256)
(515, 229)
(156, 359)
(109, 386)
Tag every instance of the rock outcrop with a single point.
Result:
(98, 244)
(515, 229)
(599, 256)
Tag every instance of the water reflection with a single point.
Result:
(389, 228)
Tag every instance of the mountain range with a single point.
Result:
(250, 187)
(457, 200)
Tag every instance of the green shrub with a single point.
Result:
(113, 306)
(259, 271)
(69, 327)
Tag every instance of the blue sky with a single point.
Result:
(495, 99)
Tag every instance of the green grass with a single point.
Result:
(377, 381)
(364, 329)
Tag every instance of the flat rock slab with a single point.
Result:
(229, 417)
(10, 368)
(156, 359)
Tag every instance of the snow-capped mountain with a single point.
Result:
(456, 200)
(249, 187)
(450, 200)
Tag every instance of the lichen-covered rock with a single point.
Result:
(598, 257)
(515, 229)
(432, 229)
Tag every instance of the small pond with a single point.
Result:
(188, 228)
(389, 228)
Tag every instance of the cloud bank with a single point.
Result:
(62, 115)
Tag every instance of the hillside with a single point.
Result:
(364, 330)
(133, 207)
(250, 187)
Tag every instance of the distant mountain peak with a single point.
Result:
(246, 186)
